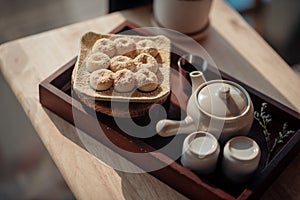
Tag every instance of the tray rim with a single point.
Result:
(279, 161)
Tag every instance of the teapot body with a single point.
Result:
(222, 108)
(223, 128)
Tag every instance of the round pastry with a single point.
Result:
(144, 58)
(124, 81)
(97, 61)
(151, 67)
(121, 62)
(105, 46)
(101, 79)
(146, 80)
(125, 47)
(147, 46)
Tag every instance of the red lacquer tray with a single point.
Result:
(55, 94)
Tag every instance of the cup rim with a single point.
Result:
(241, 158)
(193, 136)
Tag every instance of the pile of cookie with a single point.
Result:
(123, 64)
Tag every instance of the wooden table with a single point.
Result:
(236, 48)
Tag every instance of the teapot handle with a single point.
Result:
(167, 127)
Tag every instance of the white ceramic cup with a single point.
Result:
(241, 156)
(200, 152)
(186, 16)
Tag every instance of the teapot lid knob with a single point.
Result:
(224, 92)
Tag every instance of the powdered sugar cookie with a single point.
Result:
(146, 80)
(144, 58)
(147, 46)
(124, 81)
(97, 61)
(105, 46)
(151, 67)
(125, 47)
(101, 79)
(121, 62)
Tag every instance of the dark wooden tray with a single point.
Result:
(55, 94)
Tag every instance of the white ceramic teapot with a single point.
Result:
(220, 107)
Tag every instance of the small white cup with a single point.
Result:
(200, 152)
(241, 156)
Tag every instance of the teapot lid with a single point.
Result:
(223, 99)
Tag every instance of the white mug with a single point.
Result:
(186, 16)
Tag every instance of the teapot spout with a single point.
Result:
(167, 127)
(197, 78)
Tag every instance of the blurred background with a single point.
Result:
(26, 169)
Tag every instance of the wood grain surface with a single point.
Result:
(235, 48)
